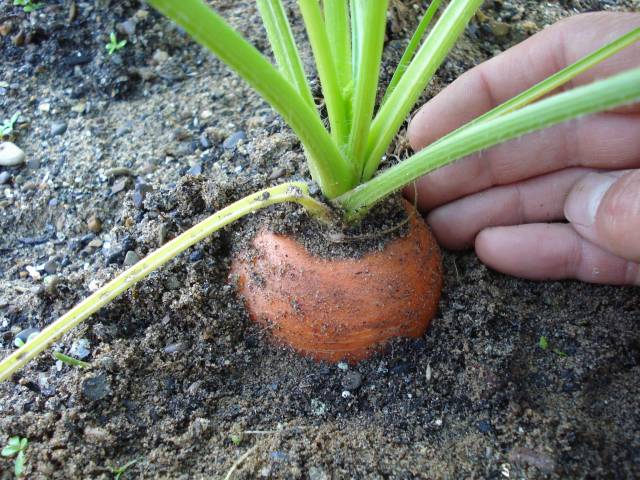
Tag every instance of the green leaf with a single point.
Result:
(14, 441)
(9, 451)
(23, 443)
(543, 343)
(74, 362)
(18, 466)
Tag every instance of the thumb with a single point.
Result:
(605, 209)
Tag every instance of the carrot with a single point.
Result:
(341, 309)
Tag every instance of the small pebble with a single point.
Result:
(277, 173)
(232, 141)
(317, 473)
(51, 266)
(344, 366)
(204, 141)
(58, 128)
(196, 256)
(80, 349)
(484, 426)
(51, 284)
(94, 224)
(195, 170)
(95, 388)
(11, 155)
(119, 185)
(140, 193)
(5, 177)
(131, 258)
(352, 380)
(174, 347)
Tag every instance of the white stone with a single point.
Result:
(11, 155)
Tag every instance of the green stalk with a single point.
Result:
(422, 68)
(289, 192)
(556, 80)
(336, 17)
(615, 91)
(329, 168)
(284, 46)
(356, 27)
(412, 47)
(336, 106)
(370, 43)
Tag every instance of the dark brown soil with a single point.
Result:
(181, 381)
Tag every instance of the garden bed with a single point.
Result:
(125, 151)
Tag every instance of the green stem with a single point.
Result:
(289, 192)
(329, 167)
(370, 42)
(284, 46)
(619, 90)
(556, 80)
(317, 32)
(422, 68)
(411, 48)
(336, 15)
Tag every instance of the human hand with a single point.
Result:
(586, 171)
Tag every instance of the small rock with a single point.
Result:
(500, 29)
(163, 231)
(33, 272)
(25, 335)
(525, 456)
(317, 473)
(11, 155)
(98, 436)
(80, 349)
(51, 266)
(195, 170)
(5, 28)
(204, 141)
(140, 193)
(94, 224)
(5, 177)
(484, 426)
(196, 256)
(344, 366)
(95, 388)
(58, 128)
(277, 173)
(51, 284)
(159, 57)
(174, 347)
(128, 27)
(131, 258)
(232, 141)
(119, 185)
(352, 380)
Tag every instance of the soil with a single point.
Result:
(159, 135)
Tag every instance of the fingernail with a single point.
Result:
(585, 198)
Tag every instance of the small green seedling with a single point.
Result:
(28, 6)
(114, 45)
(7, 127)
(72, 362)
(119, 471)
(236, 439)
(543, 343)
(16, 448)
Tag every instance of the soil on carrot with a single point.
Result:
(513, 379)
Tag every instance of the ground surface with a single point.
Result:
(181, 381)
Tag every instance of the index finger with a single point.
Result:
(508, 74)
